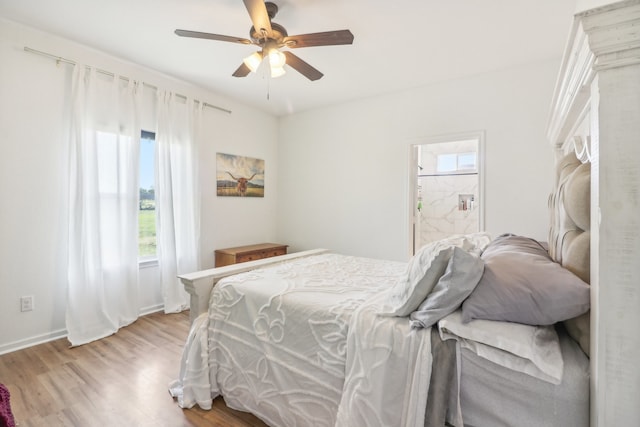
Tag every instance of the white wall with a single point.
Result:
(343, 176)
(583, 5)
(335, 177)
(33, 108)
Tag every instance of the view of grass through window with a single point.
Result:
(147, 211)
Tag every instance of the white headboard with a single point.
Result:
(598, 96)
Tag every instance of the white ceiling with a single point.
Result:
(398, 45)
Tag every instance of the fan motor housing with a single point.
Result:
(277, 30)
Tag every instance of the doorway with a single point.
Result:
(447, 187)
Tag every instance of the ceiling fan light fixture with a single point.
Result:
(253, 61)
(270, 37)
(276, 58)
(277, 72)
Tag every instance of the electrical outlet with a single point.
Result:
(26, 303)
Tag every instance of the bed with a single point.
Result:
(473, 331)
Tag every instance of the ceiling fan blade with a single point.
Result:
(327, 38)
(302, 67)
(242, 71)
(259, 16)
(209, 36)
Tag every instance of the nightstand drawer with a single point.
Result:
(248, 257)
(248, 253)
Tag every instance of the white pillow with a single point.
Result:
(424, 270)
(533, 350)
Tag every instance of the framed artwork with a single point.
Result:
(239, 176)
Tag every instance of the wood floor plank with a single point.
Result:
(121, 380)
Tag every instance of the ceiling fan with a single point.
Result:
(270, 37)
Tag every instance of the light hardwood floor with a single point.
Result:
(117, 381)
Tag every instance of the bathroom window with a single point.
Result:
(467, 162)
(456, 162)
(447, 163)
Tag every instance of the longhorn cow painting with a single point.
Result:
(239, 176)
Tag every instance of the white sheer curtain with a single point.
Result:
(177, 206)
(104, 152)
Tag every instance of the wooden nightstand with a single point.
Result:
(240, 254)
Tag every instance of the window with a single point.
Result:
(467, 161)
(147, 211)
(447, 162)
(456, 162)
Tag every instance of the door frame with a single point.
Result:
(414, 147)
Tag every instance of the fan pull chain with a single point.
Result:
(268, 85)
(264, 40)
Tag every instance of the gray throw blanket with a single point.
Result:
(444, 384)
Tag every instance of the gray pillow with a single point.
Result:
(460, 278)
(522, 284)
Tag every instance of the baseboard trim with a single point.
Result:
(32, 341)
(61, 333)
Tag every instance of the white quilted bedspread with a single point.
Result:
(300, 344)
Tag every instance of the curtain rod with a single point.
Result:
(60, 59)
